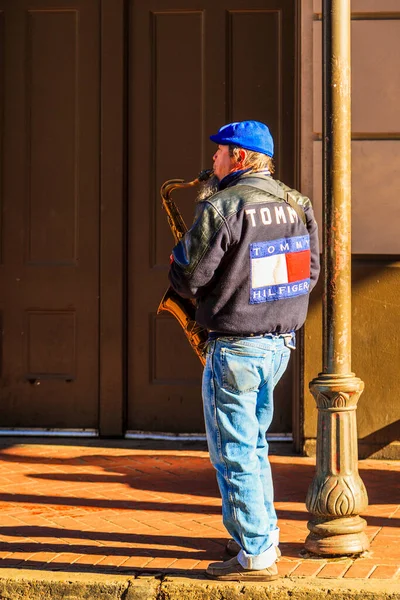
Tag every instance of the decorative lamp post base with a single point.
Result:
(337, 537)
(337, 494)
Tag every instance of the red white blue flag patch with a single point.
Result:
(280, 269)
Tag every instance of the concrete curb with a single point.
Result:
(283, 589)
(45, 585)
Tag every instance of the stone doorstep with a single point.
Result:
(28, 585)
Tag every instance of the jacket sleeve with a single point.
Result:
(199, 253)
(312, 228)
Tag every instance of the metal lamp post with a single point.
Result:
(337, 494)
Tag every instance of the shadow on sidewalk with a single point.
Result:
(198, 549)
(99, 503)
(192, 476)
(149, 545)
(194, 573)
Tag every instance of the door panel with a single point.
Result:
(193, 67)
(50, 214)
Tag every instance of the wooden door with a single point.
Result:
(194, 66)
(49, 284)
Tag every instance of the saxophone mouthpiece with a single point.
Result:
(205, 175)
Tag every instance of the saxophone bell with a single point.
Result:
(184, 312)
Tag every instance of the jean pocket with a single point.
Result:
(281, 362)
(241, 370)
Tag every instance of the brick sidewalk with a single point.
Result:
(122, 511)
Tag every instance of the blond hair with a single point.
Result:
(255, 161)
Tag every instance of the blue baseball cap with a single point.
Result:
(251, 135)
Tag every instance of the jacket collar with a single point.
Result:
(232, 178)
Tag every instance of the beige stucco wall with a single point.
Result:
(375, 214)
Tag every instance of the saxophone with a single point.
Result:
(183, 309)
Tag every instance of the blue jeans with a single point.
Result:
(238, 382)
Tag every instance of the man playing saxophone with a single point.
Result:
(250, 260)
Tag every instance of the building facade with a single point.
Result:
(101, 101)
